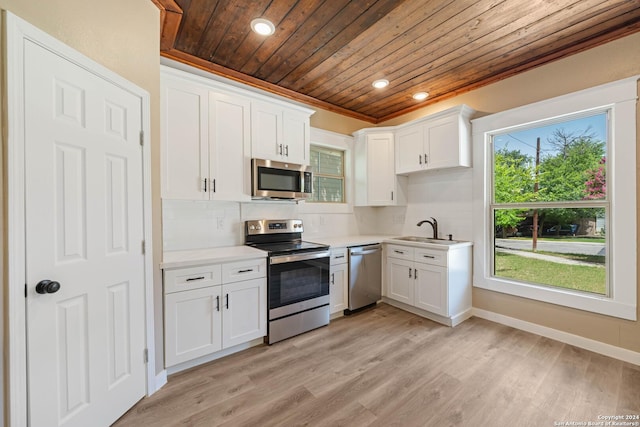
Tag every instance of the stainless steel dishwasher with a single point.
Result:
(365, 276)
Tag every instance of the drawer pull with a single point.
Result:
(249, 270)
(338, 256)
(191, 279)
(429, 256)
(398, 252)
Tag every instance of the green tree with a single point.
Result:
(513, 183)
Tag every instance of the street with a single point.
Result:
(561, 247)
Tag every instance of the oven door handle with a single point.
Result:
(281, 259)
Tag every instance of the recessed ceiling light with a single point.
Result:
(420, 96)
(379, 84)
(263, 26)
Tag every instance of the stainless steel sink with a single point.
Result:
(428, 240)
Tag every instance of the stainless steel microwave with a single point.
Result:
(279, 180)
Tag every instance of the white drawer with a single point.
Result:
(182, 279)
(338, 256)
(431, 256)
(244, 270)
(400, 252)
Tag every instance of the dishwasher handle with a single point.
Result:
(364, 250)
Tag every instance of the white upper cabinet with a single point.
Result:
(442, 140)
(205, 141)
(376, 183)
(210, 132)
(185, 141)
(230, 149)
(280, 133)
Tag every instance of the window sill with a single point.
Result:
(558, 296)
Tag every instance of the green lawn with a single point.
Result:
(583, 278)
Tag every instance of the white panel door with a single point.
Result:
(185, 142)
(295, 137)
(431, 288)
(444, 143)
(400, 284)
(338, 289)
(84, 230)
(193, 324)
(244, 316)
(410, 153)
(266, 132)
(229, 142)
(381, 170)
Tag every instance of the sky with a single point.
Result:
(525, 140)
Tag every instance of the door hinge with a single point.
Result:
(145, 355)
(141, 137)
(143, 247)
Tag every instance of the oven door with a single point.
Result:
(298, 282)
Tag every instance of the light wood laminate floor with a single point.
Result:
(387, 367)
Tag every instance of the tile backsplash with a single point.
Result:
(445, 195)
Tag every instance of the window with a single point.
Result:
(550, 204)
(328, 175)
(555, 200)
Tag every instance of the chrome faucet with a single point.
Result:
(434, 225)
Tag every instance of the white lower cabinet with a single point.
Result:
(339, 280)
(227, 306)
(434, 281)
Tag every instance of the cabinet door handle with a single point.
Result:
(205, 185)
(392, 195)
(415, 273)
(286, 150)
(214, 185)
(420, 158)
(217, 302)
(248, 270)
(333, 278)
(227, 301)
(429, 256)
(280, 147)
(191, 279)
(409, 273)
(426, 159)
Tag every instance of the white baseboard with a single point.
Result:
(565, 337)
(158, 382)
(211, 357)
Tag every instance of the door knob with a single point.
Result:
(47, 287)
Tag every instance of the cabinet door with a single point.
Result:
(431, 288)
(296, 137)
(444, 143)
(230, 145)
(193, 324)
(400, 282)
(244, 312)
(410, 154)
(338, 287)
(266, 131)
(381, 170)
(185, 145)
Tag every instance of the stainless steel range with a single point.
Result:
(297, 277)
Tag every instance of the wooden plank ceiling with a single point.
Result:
(328, 52)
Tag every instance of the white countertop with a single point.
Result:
(188, 258)
(353, 240)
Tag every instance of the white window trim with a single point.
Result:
(620, 97)
(333, 140)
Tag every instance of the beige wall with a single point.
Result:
(122, 35)
(327, 120)
(610, 62)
